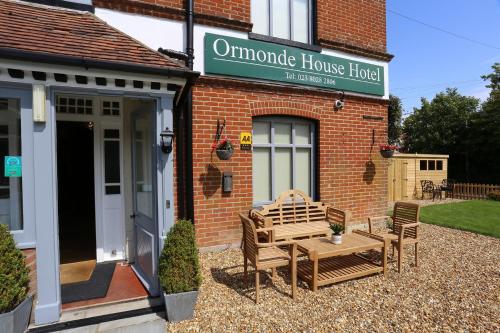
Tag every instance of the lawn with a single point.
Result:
(480, 216)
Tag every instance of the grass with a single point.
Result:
(479, 216)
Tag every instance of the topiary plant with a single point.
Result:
(14, 275)
(179, 269)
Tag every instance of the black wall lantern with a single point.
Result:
(167, 140)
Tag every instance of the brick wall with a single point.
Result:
(352, 174)
(355, 23)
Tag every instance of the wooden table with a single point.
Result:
(329, 263)
(288, 231)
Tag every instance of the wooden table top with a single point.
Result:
(295, 230)
(322, 247)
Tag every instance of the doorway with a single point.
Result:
(76, 206)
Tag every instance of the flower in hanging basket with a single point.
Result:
(388, 150)
(224, 149)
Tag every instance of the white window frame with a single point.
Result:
(291, 23)
(272, 145)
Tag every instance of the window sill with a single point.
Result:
(287, 42)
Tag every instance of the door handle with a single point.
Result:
(133, 216)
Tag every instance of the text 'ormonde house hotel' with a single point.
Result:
(112, 109)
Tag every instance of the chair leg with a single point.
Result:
(416, 254)
(245, 271)
(257, 282)
(393, 251)
(400, 256)
(273, 274)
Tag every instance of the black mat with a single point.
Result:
(96, 287)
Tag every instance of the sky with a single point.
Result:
(427, 61)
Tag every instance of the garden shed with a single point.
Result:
(405, 171)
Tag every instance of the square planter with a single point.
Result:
(17, 320)
(180, 306)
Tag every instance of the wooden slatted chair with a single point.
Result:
(266, 255)
(405, 224)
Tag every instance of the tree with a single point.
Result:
(441, 127)
(394, 120)
(485, 134)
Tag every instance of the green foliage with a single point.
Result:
(179, 269)
(494, 195)
(480, 216)
(336, 228)
(14, 275)
(394, 129)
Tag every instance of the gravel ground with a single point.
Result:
(456, 288)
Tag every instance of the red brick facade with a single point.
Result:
(30, 259)
(352, 174)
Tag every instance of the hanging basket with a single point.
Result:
(387, 153)
(224, 154)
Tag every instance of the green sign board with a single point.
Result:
(260, 60)
(13, 166)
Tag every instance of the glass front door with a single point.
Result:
(144, 198)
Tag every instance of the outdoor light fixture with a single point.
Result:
(167, 139)
(39, 115)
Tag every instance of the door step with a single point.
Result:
(149, 323)
(111, 318)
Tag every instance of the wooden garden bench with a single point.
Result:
(294, 215)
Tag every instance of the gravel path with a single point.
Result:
(456, 288)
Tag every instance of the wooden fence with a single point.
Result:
(473, 191)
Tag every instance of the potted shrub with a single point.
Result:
(179, 272)
(15, 304)
(336, 233)
(387, 150)
(224, 149)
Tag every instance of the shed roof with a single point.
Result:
(416, 155)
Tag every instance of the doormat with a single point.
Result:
(76, 271)
(96, 287)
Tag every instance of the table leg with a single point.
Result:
(384, 257)
(315, 275)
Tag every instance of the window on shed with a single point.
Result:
(432, 165)
(423, 164)
(287, 19)
(439, 165)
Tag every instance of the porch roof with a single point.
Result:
(62, 36)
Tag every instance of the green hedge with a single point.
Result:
(494, 195)
(14, 275)
(179, 267)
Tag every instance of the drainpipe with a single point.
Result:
(189, 195)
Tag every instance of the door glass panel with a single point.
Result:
(142, 164)
(281, 19)
(112, 161)
(303, 169)
(283, 170)
(300, 21)
(11, 164)
(261, 170)
(282, 133)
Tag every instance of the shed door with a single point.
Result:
(145, 198)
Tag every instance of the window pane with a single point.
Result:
(281, 18)
(300, 19)
(423, 164)
(282, 133)
(112, 161)
(283, 170)
(261, 132)
(303, 170)
(260, 16)
(10, 175)
(261, 174)
(302, 134)
(439, 165)
(112, 189)
(432, 165)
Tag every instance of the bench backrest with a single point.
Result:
(292, 206)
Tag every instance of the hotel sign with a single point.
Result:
(260, 60)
